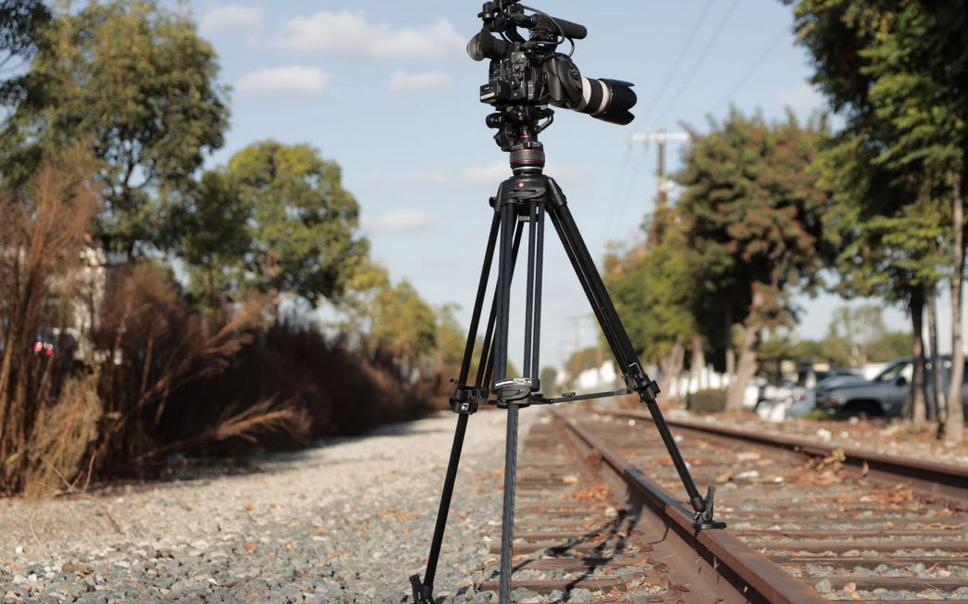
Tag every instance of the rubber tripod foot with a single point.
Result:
(704, 517)
(421, 593)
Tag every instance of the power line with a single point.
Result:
(678, 61)
(756, 64)
(702, 57)
(613, 200)
(619, 218)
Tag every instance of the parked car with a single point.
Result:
(882, 396)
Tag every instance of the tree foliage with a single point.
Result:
(755, 220)
(303, 223)
(754, 212)
(897, 70)
(654, 287)
(21, 22)
(138, 84)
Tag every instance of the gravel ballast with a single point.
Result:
(346, 521)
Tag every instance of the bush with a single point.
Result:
(105, 370)
(707, 401)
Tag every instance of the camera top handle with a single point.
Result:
(541, 20)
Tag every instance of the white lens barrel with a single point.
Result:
(596, 97)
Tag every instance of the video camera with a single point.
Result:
(532, 72)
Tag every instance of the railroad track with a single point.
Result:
(600, 518)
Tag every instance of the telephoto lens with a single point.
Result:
(607, 100)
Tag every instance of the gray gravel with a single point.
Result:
(347, 521)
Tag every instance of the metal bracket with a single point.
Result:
(570, 397)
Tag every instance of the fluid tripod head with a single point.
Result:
(527, 75)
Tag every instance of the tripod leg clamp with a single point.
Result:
(639, 382)
(422, 594)
(704, 512)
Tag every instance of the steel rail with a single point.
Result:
(925, 476)
(721, 564)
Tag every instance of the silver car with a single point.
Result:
(882, 396)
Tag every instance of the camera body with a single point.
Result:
(531, 72)
(514, 80)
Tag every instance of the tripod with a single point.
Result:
(525, 199)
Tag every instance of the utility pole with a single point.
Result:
(661, 137)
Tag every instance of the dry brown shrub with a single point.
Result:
(62, 437)
(43, 231)
(155, 345)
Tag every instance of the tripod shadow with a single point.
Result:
(613, 535)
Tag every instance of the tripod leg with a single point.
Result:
(423, 591)
(505, 272)
(622, 348)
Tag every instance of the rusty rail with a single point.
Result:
(925, 476)
(720, 564)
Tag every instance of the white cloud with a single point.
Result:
(398, 222)
(802, 98)
(231, 18)
(292, 80)
(406, 80)
(491, 174)
(349, 33)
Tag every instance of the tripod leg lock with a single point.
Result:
(638, 381)
(704, 512)
(466, 401)
(422, 594)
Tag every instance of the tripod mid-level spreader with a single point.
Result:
(525, 199)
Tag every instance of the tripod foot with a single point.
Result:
(422, 594)
(704, 512)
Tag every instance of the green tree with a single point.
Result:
(358, 303)
(404, 326)
(853, 331)
(21, 22)
(137, 84)
(890, 346)
(656, 290)
(755, 219)
(214, 239)
(548, 377)
(897, 70)
(303, 223)
(450, 340)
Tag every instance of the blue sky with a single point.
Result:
(386, 89)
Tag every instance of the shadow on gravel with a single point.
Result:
(611, 536)
(178, 469)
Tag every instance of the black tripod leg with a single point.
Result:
(486, 368)
(505, 272)
(423, 591)
(622, 348)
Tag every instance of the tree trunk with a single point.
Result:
(747, 361)
(954, 428)
(730, 353)
(671, 365)
(936, 400)
(679, 365)
(915, 400)
(746, 369)
(698, 363)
